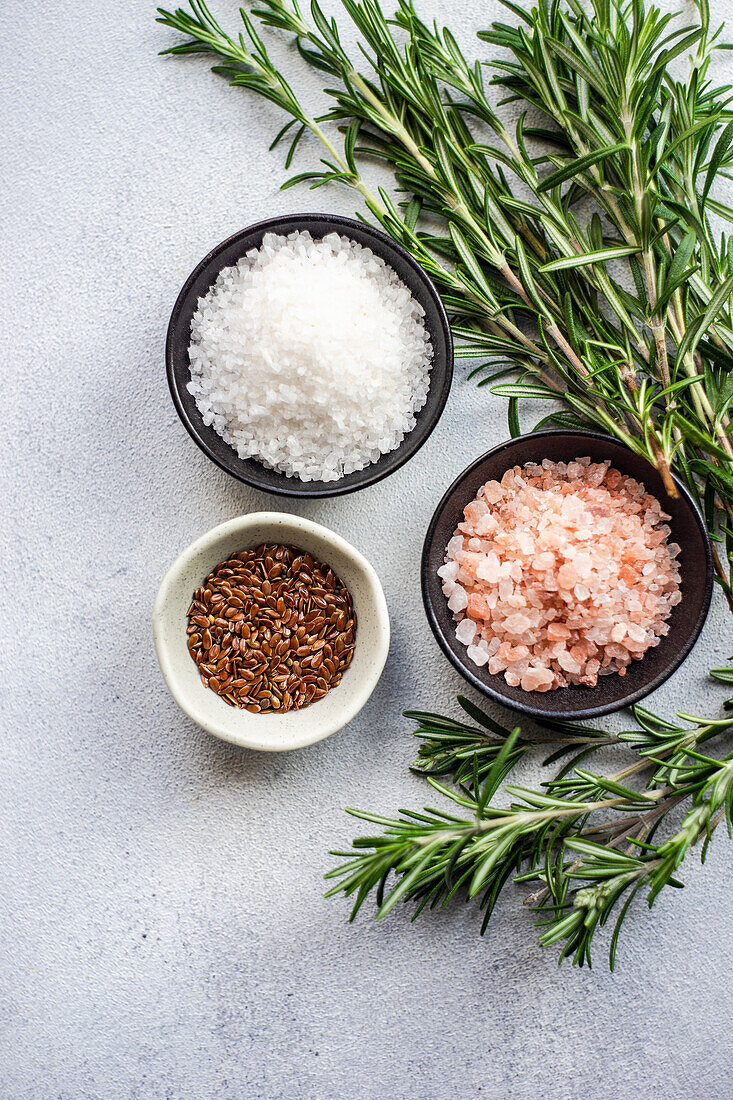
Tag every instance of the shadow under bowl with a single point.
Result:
(612, 693)
(228, 253)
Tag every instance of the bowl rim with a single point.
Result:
(312, 732)
(328, 489)
(532, 710)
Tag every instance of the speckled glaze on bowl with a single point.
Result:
(271, 732)
(612, 693)
(204, 275)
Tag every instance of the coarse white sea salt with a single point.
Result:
(561, 573)
(310, 356)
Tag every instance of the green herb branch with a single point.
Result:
(575, 251)
(586, 841)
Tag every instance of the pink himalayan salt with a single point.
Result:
(561, 573)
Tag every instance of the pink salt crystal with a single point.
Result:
(516, 572)
(583, 563)
(517, 624)
(493, 492)
(544, 561)
(466, 631)
(525, 542)
(536, 679)
(590, 676)
(560, 553)
(475, 510)
(478, 655)
(478, 607)
(449, 571)
(486, 525)
(459, 599)
(567, 575)
(488, 569)
(567, 663)
(506, 588)
(596, 473)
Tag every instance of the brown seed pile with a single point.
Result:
(271, 629)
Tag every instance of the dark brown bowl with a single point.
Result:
(227, 253)
(612, 692)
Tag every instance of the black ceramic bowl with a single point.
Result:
(226, 254)
(612, 692)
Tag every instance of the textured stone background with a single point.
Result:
(164, 930)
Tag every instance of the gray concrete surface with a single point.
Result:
(164, 930)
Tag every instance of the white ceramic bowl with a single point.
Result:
(271, 732)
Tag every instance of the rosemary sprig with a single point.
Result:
(576, 250)
(586, 840)
(455, 748)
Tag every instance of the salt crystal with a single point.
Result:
(475, 510)
(459, 599)
(466, 631)
(506, 587)
(486, 525)
(493, 492)
(488, 569)
(478, 655)
(567, 663)
(449, 571)
(517, 624)
(544, 561)
(567, 575)
(536, 679)
(636, 633)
